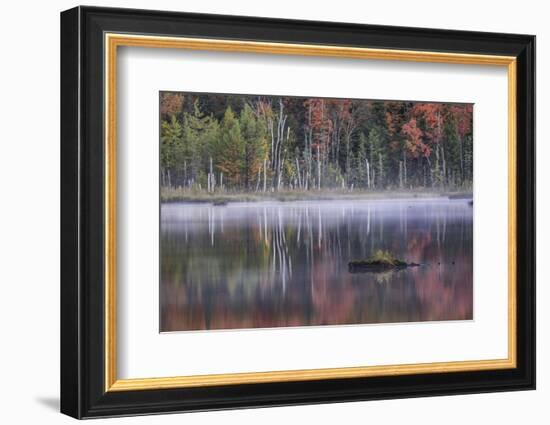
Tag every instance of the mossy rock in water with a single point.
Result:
(380, 261)
(381, 257)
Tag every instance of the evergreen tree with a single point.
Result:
(170, 145)
(377, 156)
(230, 149)
(254, 135)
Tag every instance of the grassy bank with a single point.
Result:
(189, 195)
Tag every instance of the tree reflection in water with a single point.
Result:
(273, 264)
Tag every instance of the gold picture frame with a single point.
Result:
(114, 41)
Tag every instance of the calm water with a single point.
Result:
(271, 264)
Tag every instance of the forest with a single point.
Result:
(226, 143)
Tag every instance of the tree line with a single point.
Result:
(214, 142)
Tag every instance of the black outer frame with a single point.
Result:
(82, 212)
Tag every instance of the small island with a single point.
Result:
(380, 261)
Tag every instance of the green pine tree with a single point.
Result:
(230, 150)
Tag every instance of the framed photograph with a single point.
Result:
(261, 212)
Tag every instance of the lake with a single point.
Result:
(279, 264)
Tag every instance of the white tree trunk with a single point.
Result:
(298, 173)
(381, 169)
(265, 174)
(368, 173)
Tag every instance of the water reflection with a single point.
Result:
(272, 264)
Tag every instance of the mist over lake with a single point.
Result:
(278, 264)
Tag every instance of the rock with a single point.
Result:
(380, 261)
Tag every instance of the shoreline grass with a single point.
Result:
(168, 195)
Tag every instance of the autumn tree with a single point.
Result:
(267, 143)
(171, 104)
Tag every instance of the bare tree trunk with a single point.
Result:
(431, 170)
(310, 166)
(368, 173)
(371, 164)
(280, 158)
(265, 174)
(444, 165)
(373, 177)
(318, 168)
(259, 178)
(185, 170)
(306, 160)
(404, 168)
(348, 137)
(308, 152)
(381, 169)
(277, 139)
(298, 173)
(272, 131)
(439, 151)
(436, 171)
(211, 178)
(461, 160)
